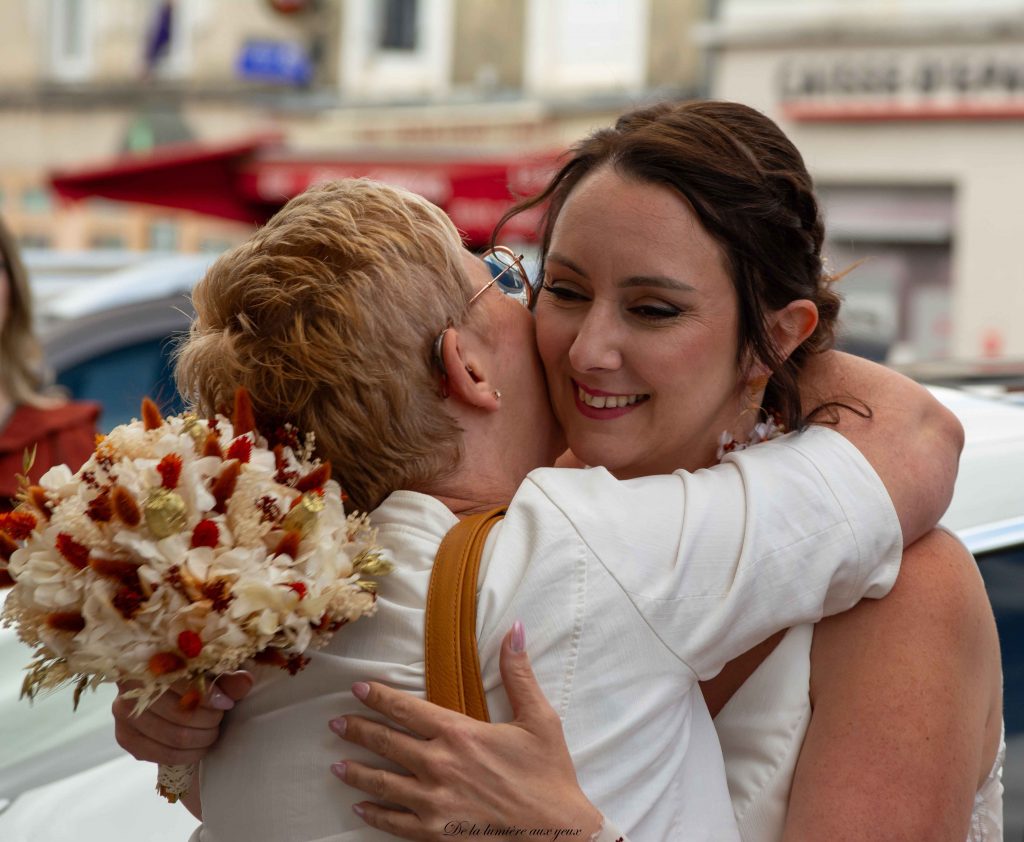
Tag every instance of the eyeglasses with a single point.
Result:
(509, 277)
(508, 274)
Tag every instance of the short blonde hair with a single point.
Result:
(20, 353)
(327, 315)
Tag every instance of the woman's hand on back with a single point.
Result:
(464, 772)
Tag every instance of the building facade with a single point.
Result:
(910, 116)
(87, 82)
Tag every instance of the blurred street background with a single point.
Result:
(177, 124)
(140, 138)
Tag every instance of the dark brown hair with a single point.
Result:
(750, 189)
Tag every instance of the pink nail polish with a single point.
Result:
(338, 725)
(359, 811)
(518, 642)
(338, 769)
(361, 690)
(220, 700)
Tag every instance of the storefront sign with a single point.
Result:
(904, 85)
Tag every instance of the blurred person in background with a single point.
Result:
(31, 416)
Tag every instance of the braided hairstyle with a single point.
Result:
(751, 191)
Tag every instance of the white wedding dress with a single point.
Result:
(762, 728)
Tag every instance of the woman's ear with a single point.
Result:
(466, 371)
(791, 325)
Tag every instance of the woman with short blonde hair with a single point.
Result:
(278, 310)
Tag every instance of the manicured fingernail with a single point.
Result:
(220, 700)
(359, 811)
(338, 769)
(518, 642)
(338, 725)
(361, 690)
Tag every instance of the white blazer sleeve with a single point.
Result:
(718, 560)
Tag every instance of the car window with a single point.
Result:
(1003, 572)
(120, 378)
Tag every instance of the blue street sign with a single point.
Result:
(278, 62)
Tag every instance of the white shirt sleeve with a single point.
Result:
(716, 561)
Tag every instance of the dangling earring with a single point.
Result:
(497, 395)
(764, 430)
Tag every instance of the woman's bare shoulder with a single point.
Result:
(937, 607)
(906, 696)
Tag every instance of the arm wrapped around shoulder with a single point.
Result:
(910, 439)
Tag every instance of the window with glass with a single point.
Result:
(71, 37)
(163, 235)
(107, 241)
(397, 25)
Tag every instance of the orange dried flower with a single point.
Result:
(190, 700)
(190, 643)
(296, 663)
(316, 478)
(37, 497)
(169, 469)
(240, 449)
(68, 621)
(74, 553)
(123, 571)
(218, 591)
(224, 485)
(163, 663)
(276, 658)
(283, 474)
(124, 506)
(288, 545)
(205, 534)
(271, 657)
(279, 461)
(243, 419)
(128, 600)
(99, 509)
(151, 418)
(7, 546)
(17, 525)
(211, 447)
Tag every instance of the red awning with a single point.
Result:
(249, 181)
(186, 176)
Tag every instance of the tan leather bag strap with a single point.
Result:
(452, 660)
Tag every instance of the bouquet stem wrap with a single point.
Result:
(174, 782)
